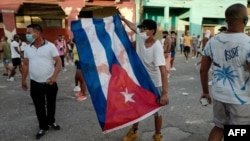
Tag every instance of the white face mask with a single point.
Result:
(144, 35)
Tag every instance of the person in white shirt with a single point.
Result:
(229, 53)
(15, 56)
(181, 44)
(42, 62)
(22, 46)
(152, 56)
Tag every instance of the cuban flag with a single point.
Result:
(120, 88)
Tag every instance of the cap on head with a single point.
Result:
(223, 28)
(148, 24)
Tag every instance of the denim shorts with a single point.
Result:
(78, 65)
(6, 61)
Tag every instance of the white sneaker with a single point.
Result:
(11, 79)
(77, 89)
(173, 68)
(168, 75)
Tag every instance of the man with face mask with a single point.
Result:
(42, 62)
(229, 53)
(152, 57)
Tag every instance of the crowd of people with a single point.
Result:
(226, 53)
(12, 55)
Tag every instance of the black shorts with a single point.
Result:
(78, 65)
(187, 49)
(16, 61)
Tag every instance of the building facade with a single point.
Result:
(182, 15)
(56, 15)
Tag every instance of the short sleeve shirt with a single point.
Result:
(23, 45)
(41, 61)
(229, 54)
(187, 41)
(6, 50)
(60, 47)
(152, 58)
(14, 53)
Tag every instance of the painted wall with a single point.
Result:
(71, 9)
(198, 10)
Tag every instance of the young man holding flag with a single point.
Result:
(152, 57)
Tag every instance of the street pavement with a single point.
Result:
(184, 119)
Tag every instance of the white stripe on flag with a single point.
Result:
(99, 54)
(119, 49)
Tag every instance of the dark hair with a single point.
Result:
(165, 32)
(149, 24)
(36, 27)
(235, 13)
(16, 36)
(172, 32)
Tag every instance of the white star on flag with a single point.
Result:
(128, 96)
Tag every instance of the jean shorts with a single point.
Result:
(6, 61)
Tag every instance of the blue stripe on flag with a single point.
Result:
(89, 70)
(105, 40)
(137, 66)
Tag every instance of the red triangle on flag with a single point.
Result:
(126, 101)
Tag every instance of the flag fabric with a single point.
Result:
(120, 88)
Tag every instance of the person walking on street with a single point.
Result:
(42, 62)
(181, 44)
(199, 48)
(69, 56)
(229, 53)
(152, 57)
(166, 43)
(61, 48)
(195, 43)
(6, 55)
(81, 93)
(187, 45)
(172, 49)
(15, 56)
